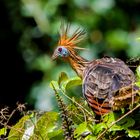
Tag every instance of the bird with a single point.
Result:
(107, 82)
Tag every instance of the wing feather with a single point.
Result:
(102, 79)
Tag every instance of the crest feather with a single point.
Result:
(77, 36)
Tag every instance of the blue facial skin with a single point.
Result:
(62, 51)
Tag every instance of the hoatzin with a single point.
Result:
(107, 82)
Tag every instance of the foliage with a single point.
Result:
(35, 126)
(77, 119)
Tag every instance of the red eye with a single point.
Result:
(60, 49)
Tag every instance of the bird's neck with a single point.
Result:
(78, 63)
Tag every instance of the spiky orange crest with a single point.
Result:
(72, 41)
(67, 45)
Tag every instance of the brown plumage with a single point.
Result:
(107, 82)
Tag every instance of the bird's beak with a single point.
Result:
(55, 55)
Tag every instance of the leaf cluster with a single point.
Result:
(48, 125)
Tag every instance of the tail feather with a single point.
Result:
(125, 96)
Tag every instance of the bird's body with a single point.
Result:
(102, 78)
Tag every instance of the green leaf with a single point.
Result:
(62, 77)
(17, 130)
(3, 131)
(123, 124)
(36, 127)
(89, 137)
(97, 128)
(65, 83)
(126, 123)
(55, 134)
(75, 81)
(133, 133)
(116, 127)
(80, 129)
(30, 126)
(111, 117)
(47, 125)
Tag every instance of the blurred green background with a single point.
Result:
(29, 34)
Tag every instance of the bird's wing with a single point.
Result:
(103, 78)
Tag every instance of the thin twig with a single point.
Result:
(10, 116)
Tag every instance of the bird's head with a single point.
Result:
(67, 44)
(60, 51)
